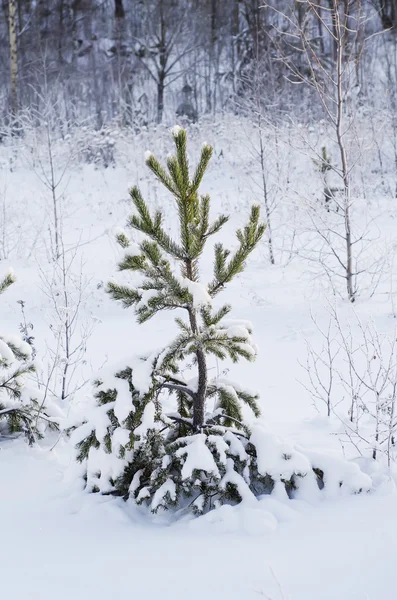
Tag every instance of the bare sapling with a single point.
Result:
(67, 289)
(354, 372)
(49, 154)
(342, 23)
(260, 150)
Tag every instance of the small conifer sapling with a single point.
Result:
(205, 453)
(21, 405)
(202, 333)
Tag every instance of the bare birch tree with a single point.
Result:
(49, 155)
(332, 85)
(258, 143)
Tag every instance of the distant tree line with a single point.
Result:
(143, 60)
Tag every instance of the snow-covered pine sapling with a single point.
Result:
(21, 406)
(195, 450)
(203, 333)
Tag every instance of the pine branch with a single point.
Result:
(128, 296)
(229, 402)
(153, 229)
(160, 173)
(155, 305)
(141, 207)
(180, 388)
(217, 225)
(122, 240)
(210, 319)
(206, 154)
(204, 210)
(176, 176)
(221, 344)
(248, 238)
(181, 421)
(180, 140)
(132, 262)
(179, 348)
(151, 251)
(250, 400)
(8, 280)
(183, 326)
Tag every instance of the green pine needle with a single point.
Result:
(8, 280)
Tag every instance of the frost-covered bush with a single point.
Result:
(354, 373)
(22, 407)
(156, 437)
(97, 147)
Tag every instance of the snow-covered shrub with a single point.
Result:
(354, 372)
(97, 146)
(22, 407)
(158, 438)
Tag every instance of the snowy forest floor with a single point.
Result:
(58, 541)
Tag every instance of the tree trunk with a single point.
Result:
(235, 41)
(388, 13)
(161, 74)
(119, 11)
(214, 56)
(333, 5)
(61, 37)
(199, 405)
(266, 196)
(341, 32)
(13, 57)
(199, 400)
(320, 28)
(160, 97)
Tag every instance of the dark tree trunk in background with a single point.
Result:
(160, 97)
(119, 11)
(61, 38)
(12, 23)
(211, 102)
(320, 28)
(388, 13)
(235, 42)
(163, 58)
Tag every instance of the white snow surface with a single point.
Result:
(6, 352)
(198, 291)
(58, 541)
(196, 456)
(80, 545)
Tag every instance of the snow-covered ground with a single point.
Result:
(58, 541)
